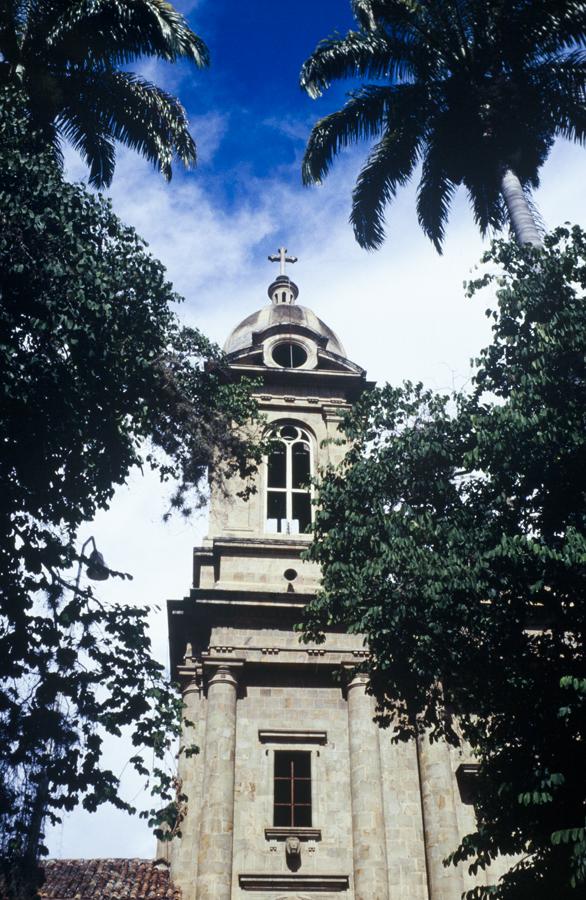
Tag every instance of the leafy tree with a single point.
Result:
(453, 537)
(96, 376)
(68, 60)
(476, 91)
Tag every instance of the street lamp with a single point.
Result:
(97, 570)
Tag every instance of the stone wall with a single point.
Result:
(294, 702)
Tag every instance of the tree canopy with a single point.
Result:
(453, 537)
(475, 91)
(97, 376)
(69, 61)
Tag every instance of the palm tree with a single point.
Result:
(474, 90)
(66, 59)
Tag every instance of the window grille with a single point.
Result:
(292, 789)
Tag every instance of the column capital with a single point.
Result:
(358, 679)
(223, 671)
(190, 679)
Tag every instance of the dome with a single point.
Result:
(281, 315)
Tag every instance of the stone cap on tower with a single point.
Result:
(283, 315)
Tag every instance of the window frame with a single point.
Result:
(292, 779)
(304, 437)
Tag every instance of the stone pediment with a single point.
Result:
(253, 356)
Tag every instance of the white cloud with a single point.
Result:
(400, 312)
(291, 126)
(208, 131)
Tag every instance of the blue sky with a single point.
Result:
(257, 50)
(400, 312)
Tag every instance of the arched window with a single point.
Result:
(288, 474)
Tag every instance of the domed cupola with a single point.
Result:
(286, 335)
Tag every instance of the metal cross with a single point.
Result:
(282, 258)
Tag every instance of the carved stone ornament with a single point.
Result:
(293, 846)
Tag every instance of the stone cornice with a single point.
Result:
(286, 736)
(304, 834)
(283, 656)
(293, 882)
(294, 542)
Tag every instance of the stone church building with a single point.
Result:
(295, 792)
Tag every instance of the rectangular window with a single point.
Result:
(292, 789)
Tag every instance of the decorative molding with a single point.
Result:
(304, 834)
(286, 736)
(211, 661)
(291, 882)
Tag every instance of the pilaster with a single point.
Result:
(368, 825)
(440, 822)
(214, 873)
(189, 775)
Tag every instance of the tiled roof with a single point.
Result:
(107, 879)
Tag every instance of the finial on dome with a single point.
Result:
(283, 259)
(283, 290)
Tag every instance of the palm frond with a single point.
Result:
(364, 13)
(485, 199)
(363, 116)
(388, 167)
(10, 27)
(429, 22)
(447, 18)
(119, 33)
(561, 81)
(370, 55)
(503, 80)
(139, 115)
(571, 120)
(434, 195)
(561, 71)
(85, 131)
(550, 25)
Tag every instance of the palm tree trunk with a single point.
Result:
(520, 215)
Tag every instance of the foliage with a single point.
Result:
(468, 88)
(69, 61)
(97, 376)
(453, 537)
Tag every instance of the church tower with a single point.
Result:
(295, 792)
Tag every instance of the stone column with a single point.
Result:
(440, 822)
(214, 870)
(368, 825)
(179, 851)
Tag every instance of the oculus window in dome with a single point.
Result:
(289, 354)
